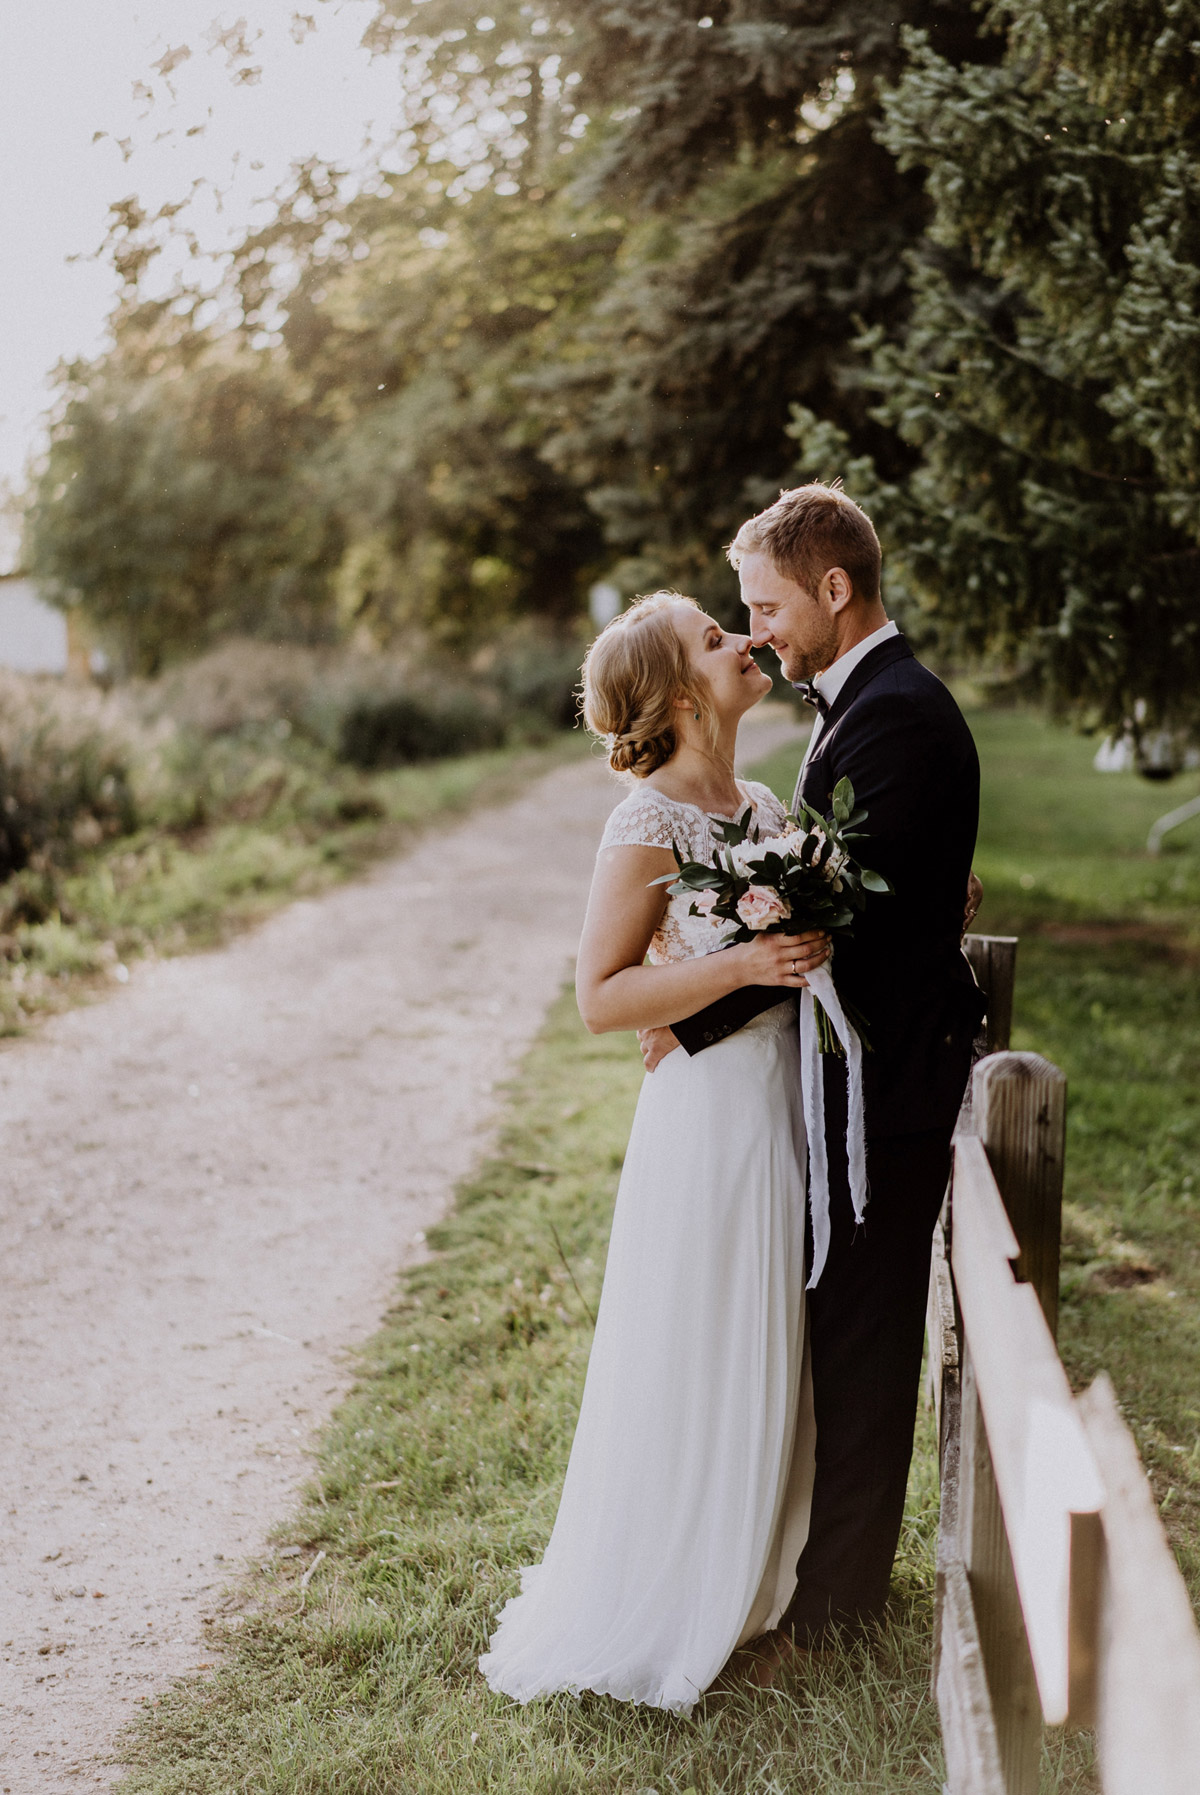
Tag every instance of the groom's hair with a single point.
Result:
(809, 530)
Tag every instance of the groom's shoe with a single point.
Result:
(762, 1661)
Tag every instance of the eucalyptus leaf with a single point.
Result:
(843, 800)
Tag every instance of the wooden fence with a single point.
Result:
(1058, 1599)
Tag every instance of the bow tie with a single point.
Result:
(810, 695)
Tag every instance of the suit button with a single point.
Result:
(708, 1036)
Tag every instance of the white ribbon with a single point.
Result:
(821, 985)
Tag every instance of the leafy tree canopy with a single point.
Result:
(767, 223)
(1048, 378)
(607, 252)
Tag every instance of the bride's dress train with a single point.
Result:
(686, 1499)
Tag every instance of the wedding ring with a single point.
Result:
(793, 969)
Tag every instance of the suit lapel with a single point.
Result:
(869, 668)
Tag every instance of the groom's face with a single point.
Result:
(801, 627)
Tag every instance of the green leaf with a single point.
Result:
(843, 800)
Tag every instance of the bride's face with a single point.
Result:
(724, 661)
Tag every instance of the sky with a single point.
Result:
(99, 104)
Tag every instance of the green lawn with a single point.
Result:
(439, 1475)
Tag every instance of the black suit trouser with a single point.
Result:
(867, 1322)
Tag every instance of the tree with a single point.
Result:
(608, 252)
(175, 511)
(1049, 375)
(767, 224)
(342, 445)
(454, 521)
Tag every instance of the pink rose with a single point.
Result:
(761, 906)
(703, 905)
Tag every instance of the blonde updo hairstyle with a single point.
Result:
(634, 672)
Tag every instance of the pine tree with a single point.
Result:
(1049, 376)
(765, 224)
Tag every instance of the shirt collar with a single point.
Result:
(830, 682)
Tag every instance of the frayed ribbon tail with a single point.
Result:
(822, 987)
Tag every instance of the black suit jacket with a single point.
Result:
(898, 735)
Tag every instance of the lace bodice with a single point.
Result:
(649, 819)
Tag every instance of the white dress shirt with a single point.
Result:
(830, 682)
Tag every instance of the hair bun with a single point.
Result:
(639, 754)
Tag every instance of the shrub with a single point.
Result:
(390, 729)
(372, 710)
(238, 684)
(536, 673)
(66, 760)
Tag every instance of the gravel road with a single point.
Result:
(208, 1182)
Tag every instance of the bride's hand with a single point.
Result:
(784, 959)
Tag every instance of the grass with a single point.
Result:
(439, 1475)
(255, 823)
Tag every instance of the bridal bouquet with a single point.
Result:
(806, 878)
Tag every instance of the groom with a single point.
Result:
(809, 570)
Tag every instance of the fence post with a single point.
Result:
(993, 960)
(1019, 1110)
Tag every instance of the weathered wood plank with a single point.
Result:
(1019, 1111)
(1148, 1697)
(964, 1703)
(1083, 1619)
(993, 960)
(1012, 1683)
(1044, 1470)
(940, 1327)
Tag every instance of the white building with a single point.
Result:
(33, 635)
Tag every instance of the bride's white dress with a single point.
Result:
(687, 1495)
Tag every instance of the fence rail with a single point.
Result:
(1058, 1599)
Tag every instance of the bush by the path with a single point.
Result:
(159, 814)
(400, 727)
(126, 841)
(65, 771)
(374, 710)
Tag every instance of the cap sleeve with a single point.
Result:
(641, 820)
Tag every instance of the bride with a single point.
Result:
(686, 1499)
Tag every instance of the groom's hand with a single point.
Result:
(656, 1044)
(974, 899)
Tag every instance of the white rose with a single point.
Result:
(747, 855)
(791, 843)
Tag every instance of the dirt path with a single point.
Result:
(207, 1184)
